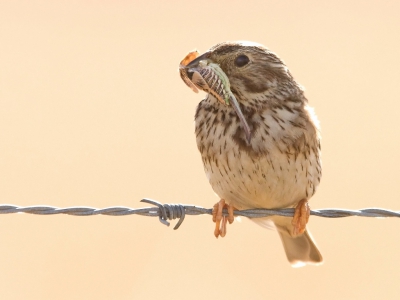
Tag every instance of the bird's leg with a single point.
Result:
(300, 217)
(219, 219)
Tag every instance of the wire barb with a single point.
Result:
(167, 212)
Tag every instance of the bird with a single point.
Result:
(258, 138)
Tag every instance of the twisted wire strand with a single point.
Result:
(167, 212)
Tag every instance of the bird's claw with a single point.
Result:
(221, 220)
(300, 217)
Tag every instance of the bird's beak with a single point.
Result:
(188, 69)
(195, 62)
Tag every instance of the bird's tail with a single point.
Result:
(300, 250)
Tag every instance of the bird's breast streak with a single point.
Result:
(270, 180)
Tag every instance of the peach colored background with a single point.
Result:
(93, 113)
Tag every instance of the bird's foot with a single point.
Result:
(219, 219)
(300, 217)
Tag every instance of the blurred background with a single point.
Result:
(94, 113)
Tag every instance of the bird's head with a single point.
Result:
(256, 75)
(246, 75)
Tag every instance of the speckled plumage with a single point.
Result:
(281, 164)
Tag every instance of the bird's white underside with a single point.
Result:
(250, 189)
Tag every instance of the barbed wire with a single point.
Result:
(167, 212)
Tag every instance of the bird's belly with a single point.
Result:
(271, 181)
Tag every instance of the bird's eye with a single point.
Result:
(241, 60)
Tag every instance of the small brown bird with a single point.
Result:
(258, 138)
